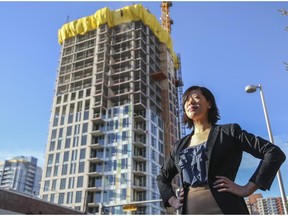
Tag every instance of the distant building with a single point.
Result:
(21, 174)
(251, 203)
(270, 205)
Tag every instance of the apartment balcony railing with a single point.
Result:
(140, 129)
(98, 131)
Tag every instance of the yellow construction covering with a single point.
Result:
(113, 18)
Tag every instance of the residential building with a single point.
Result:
(22, 174)
(115, 113)
(270, 205)
(251, 203)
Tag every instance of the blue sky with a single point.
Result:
(223, 45)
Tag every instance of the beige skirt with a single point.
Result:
(201, 201)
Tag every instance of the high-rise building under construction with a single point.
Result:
(115, 112)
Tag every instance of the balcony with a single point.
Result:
(98, 131)
(157, 76)
(97, 145)
(94, 189)
(140, 129)
(140, 142)
(96, 160)
(98, 118)
(139, 157)
(139, 185)
(139, 104)
(139, 169)
(139, 116)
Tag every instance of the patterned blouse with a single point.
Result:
(193, 166)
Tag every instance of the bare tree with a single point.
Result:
(284, 12)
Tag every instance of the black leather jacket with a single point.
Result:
(225, 146)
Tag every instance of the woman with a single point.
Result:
(209, 158)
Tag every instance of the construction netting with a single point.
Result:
(113, 18)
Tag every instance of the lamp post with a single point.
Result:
(251, 89)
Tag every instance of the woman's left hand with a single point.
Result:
(223, 184)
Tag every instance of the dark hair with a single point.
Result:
(213, 114)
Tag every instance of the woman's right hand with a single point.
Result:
(175, 202)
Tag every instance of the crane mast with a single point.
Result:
(165, 15)
(166, 24)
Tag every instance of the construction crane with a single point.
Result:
(179, 84)
(165, 15)
(166, 24)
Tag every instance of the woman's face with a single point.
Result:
(196, 106)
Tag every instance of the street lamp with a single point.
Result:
(251, 89)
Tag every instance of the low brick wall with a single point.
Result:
(24, 204)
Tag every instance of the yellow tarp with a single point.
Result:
(113, 18)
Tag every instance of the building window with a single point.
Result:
(73, 168)
(126, 110)
(85, 128)
(86, 115)
(69, 131)
(66, 156)
(61, 198)
(56, 117)
(52, 146)
(60, 133)
(123, 193)
(82, 153)
(64, 169)
(50, 159)
(115, 111)
(84, 140)
(53, 135)
(81, 167)
(78, 116)
(70, 118)
(74, 155)
(77, 129)
(48, 172)
(153, 141)
(75, 141)
(124, 149)
(59, 145)
(52, 198)
(71, 182)
(123, 178)
(62, 183)
(63, 114)
(111, 195)
(125, 122)
(78, 196)
(46, 185)
(124, 135)
(97, 197)
(53, 187)
(153, 129)
(80, 181)
(124, 163)
(57, 158)
(67, 143)
(110, 179)
(55, 171)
